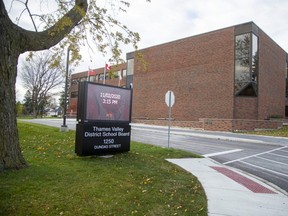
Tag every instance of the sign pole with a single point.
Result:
(64, 127)
(169, 118)
(169, 100)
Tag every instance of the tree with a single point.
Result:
(27, 105)
(39, 77)
(73, 20)
(62, 99)
(19, 107)
(62, 94)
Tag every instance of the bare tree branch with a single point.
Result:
(39, 78)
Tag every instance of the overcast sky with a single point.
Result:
(166, 20)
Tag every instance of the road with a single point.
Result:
(265, 157)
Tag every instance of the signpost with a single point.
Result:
(169, 100)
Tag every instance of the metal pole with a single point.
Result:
(66, 86)
(104, 80)
(169, 118)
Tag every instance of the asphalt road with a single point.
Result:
(265, 157)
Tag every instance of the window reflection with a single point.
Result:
(254, 58)
(74, 94)
(246, 64)
(286, 78)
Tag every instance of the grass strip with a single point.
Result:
(283, 132)
(57, 182)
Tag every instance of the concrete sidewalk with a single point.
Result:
(220, 135)
(230, 192)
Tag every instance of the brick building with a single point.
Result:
(229, 79)
(116, 76)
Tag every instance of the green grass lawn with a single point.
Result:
(283, 132)
(58, 182)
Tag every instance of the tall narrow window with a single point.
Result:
(287, 79)
(124, 72)
(130, 66)
(246, 65)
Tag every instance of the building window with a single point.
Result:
(92, 78)
(83, 79)
(74, 82)
(287, 79)
(124, 73)
(246, 65)
(130, 66)
(74, 94)
(116, 74)
(101, 77)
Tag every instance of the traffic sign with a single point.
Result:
(169, 98)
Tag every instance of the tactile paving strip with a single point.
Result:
(246, 182)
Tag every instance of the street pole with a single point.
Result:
(169, 119)
(169, 100)
(64, 126)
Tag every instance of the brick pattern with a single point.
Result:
(240, 124)
(243, 180)
(246, 108)
(200, 72)
(271, 98)
(164, 122)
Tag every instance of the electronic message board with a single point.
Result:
(103, 115)
(102, 103)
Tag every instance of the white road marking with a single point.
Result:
(272, 171)
(273, 161)
(240, 159)
(283, 151)
(278, 155)
(221, 153)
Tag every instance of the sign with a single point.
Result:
(100, 139)
(169, 98)
(103, 115)
(97, 102)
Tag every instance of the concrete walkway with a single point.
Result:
(231, 192)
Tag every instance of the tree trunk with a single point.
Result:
(14, 41)
(10, 152)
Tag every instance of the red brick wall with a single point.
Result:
(239, 124)
(271, 78)
(200, 72)
(246, 108)
(173, 123)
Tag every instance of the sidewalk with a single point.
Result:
(230, 192)
(220, 135)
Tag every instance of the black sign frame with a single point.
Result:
(97, 135)
(102, 138)
(82, 105)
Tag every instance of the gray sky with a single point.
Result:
(166, 20)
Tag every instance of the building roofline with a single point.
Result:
(185, 38)
(239, 28)
(101, 69)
